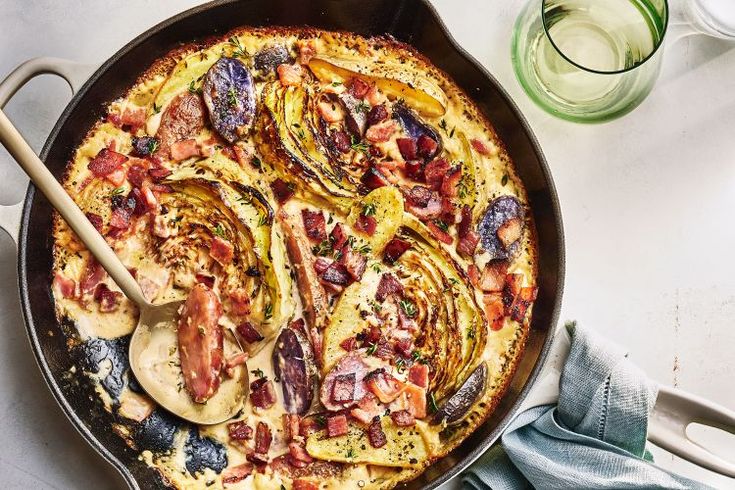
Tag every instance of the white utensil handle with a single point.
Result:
(44, 180)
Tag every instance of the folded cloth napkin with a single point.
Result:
(595, 437)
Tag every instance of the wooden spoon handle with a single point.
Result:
(19, 149)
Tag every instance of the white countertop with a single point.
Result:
(647, 202)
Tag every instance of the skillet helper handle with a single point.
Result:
(44, 180)
(75, 75)
(674, 411)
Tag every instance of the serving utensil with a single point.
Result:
(151, 353)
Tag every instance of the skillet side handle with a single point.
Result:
(674, 411)
(75, 75)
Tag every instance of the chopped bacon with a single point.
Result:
(406, 322)
(291, 426)
(377, 114)
(240, 431)
(439, 234)
(383, 385)
(117, 177)
(522, 302)
(108, 300)
(473, 272)
(431, 211)
(304, 485)
(493, 276)
(238, 359)
(402, 418)
(91, 277)
(307, 50)
(149, 198)
(376, 436)
(354, 262)
(416, 398)
(263, 438)
(239, 302)
(64, 286)
(137, 174)
(181, 150)
(468, 243)
(374, 96)
(234, 474)
(158, 172)
(241, 156)
(367, 409)
(349, 344)
(418, 374)
(366, 224)
(298, 452)
(510, 231)
(404, 346)
(407, 147)
(481, 147)
(221, 250)
(336, 274)
(309, 426)
(388, 285)
(418, 196)
(289, 74)
(513, 284)
(435, 171)
(338, 236)
(465, 224)
(314, 224)
(373, 178)
(321, 265)
(337, 425)
(394, 250)
(282, 190)
(426, 146)
(106, 162)
(341, 141)
(450, 184)
(494, 310)
(96, 221)
(262, 393)
(381, 132)
(343, 389)
(205, 279)
(451, 214)
(133, 118)
(358, 87)
(414, 169)
(248, 333)
(330, 112)
(259, 459)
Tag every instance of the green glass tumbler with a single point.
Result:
(589, 60)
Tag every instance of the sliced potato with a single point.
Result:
(406, 447)
(187, 71)
(387, 204)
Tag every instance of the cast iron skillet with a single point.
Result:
(411, 21)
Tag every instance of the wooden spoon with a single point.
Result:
(153, 353)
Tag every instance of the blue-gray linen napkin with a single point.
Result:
(595, 437)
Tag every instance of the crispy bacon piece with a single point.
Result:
(137, 174)
(358, 87)
(158, 172)
(282, 190)
(309, 426)
(367, 409)
(349, 344)
(418, 374)
(394, 250)
(337, 425)
(416, 399)
(388, 285)
(221, 250)
(338, 237)
(239, 302)
(402, 418)
(373, 178)
(467, 244)
(117, 177)
(237, 360)
(343, 389)
(493, 276)
(248, 332)
(414, 169)
(366, 224)
(314, 224)
(431, 211)
(336, 274)
(354, 262)
(435, 171)
(330, 112)
(439, 234)
(321, 265)
(376, 436)
(418, 196)
(473, 273)
(465, 224)
(64, 286)
(426, 146)
(406, 322)
(377, 114)
(108, 300)
(382, 131)
(290, 75)
(341, 141)
(513, 284)
(106, 162)
(122, 210)
(263, 438)
(306, 49)
(450, 183)
(383, 385)
(404, 346)
(262, 393)
(258, 459)
(234, 474)
(481, 147)
(351, 363)
(300, 484)
(408, 148)
(239, 431)
(494, 310)
(205, 279)
(510, 231)
(200, 343)
(91, 277)
(181, 150)
(298, 452)
(96, 221)
(291, 426)
(522, 302)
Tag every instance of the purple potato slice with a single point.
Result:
(356, 114)
(457, 406)
(293, 364)
(268, 58)
(415, 127)
(500, 211)
(229, 94)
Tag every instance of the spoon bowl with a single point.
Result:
(154, 356)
